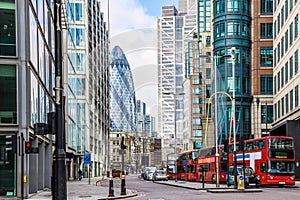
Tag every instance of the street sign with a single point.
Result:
(87, 158)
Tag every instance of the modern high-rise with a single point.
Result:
(232, 28)
(122, 109)
(88, 91)
(27, 95)
(175, 28)
(286, 76)
(122, 94)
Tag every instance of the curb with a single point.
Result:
(119, 197)
(233, 190)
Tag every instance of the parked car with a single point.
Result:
(160, 175)
(150, 175)
(250, 177)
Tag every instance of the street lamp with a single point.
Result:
(175, 128)
(232, 51)
(216, 113)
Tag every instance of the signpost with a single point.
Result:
(87, 161)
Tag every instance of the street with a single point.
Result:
(147, 190)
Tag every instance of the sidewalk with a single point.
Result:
(209, 187)
(82, 190)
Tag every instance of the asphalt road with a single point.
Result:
(148, 190)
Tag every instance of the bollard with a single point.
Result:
(202, 181)
(123, 186)
(111, 187)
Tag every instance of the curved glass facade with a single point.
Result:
(122, 93)
(232, 28)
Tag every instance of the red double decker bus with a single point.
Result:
(206, 164)
(272, 158)
(171, 166)
(186, 165)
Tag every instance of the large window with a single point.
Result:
(7, 28)
(266, 84)
(296, 26)
(266, 114)
(8, 100)
(266, 56)
(296, 61)
(197, 133)
(296, 96)
(266, 7)
(266, 30)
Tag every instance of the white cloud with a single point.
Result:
(134, 31)
(127, 15)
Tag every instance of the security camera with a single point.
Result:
(232, 50)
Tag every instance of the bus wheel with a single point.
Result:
(213, 179)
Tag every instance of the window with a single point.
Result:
(208, 73)
(278, 113)
(266, 56)
(197, 121)
(282, 106)
(197, 133)
(291, 34)
(220, 6)
(233, 5)
(287, 103)
(286, 72)
(266, 7)
(296, 61)
(197, 110)
(233, 28)
(291, 5)
(266, 30)
(266, 84)
(8, 100)
(208, 91)
(197, 90)
(197, 100)
(282, 76)
(296, 96)
(266, 114)
(220, 30)
(291, 100)
(278, 81)
(286, 9)
(286, 44)
(296, 26)
(291, 67)
(8, 28)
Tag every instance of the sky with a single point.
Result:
(133, 28)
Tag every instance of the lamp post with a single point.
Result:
(175, 128)
(217, 155)
(232, 51)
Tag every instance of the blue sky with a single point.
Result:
(133, 28)
(154, 6)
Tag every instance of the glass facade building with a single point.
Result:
(232, 28)
(122, 94)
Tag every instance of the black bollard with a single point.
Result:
(202, 181)
(111, 187)
(123, 186)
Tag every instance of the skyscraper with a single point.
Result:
(122, 94)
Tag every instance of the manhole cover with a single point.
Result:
(84, 196)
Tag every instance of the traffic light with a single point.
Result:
(123, 146)
(28, 148)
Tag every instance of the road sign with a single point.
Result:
(87, 158)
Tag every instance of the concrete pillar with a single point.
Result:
(41, 164)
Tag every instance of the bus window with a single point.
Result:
(263, 167)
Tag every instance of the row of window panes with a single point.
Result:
(222, 6)
(286, 41)
(287, 103)
(287, 72)
(233, 29)
(266, 84)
